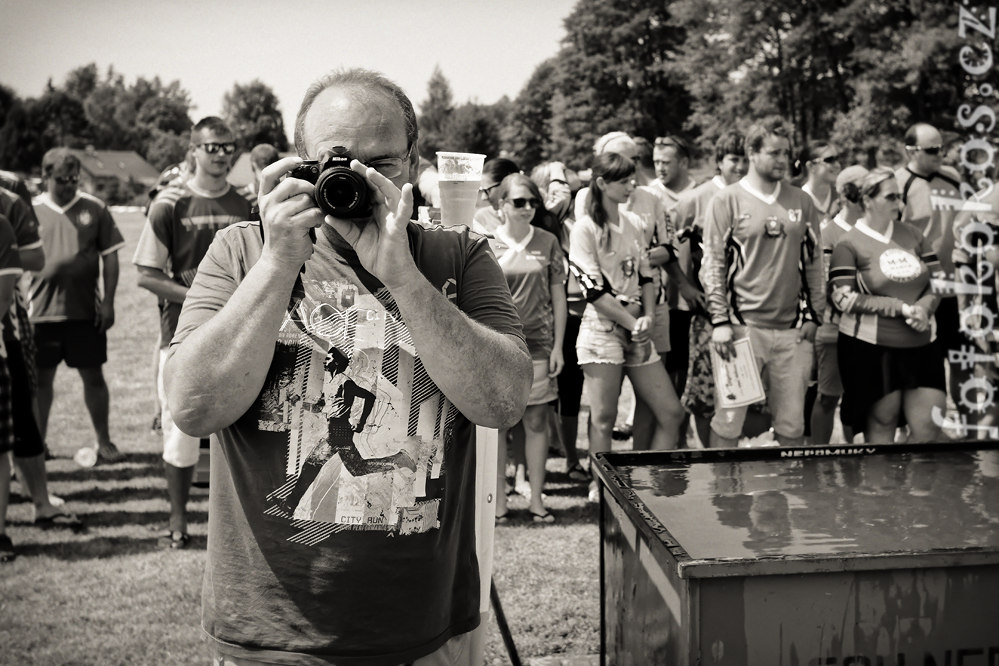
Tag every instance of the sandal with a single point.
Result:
(576, 473)
(59, 521)
(546, 517)
(109, 453)
(175, 540)
(7, 552)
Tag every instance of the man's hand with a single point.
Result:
(693, 295)
(288, 213)
(382, 245)
(721, 341)
(916, 317)
(642, 329)
(105, 316)
(658, 255)
(555, 362)
(807, 331)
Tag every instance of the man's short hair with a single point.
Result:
(677, 143)
(212, 124)
(912, 134)
(57, 157)
(264, 154)
(758, 133)
(357, 78)
(644, 153)
(730, 143)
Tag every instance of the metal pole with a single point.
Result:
(511, 649)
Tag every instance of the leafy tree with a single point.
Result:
(475, 128)
(525, 134)
(253, 113)
(435, 114)
(82, 81)
(614, 73)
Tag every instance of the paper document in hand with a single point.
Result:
(737, 380)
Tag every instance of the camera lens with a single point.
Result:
(342, 193)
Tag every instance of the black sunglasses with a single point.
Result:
(830, 159)
(225, 148)
(929, 150)
(521, 203)
(66, 180)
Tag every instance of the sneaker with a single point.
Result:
(621, 432)
(174, 540)
(7, 552)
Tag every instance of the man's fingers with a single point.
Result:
(272, 173)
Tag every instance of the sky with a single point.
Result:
(485, 49)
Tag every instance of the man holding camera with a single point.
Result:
(180, 226)
(279, 335)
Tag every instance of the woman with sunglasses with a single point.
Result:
(487, 214)
(607, 249)
(820, 161)
(890, 362)
(531, 259)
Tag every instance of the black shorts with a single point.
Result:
(27, 437)
(79, 343)
(870, 372)
(679, 341)
(570, 380)
(949, 325)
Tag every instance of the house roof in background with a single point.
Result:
(121, 164)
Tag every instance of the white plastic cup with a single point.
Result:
(85, 457)
(458, 177)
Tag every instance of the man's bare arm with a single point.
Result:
(158, 282)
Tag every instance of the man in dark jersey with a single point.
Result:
(181, 224)
(377, 567)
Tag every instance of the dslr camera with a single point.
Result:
(339, 191)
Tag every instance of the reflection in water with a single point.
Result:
(879, 503)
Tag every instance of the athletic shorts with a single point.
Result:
(544, 389)
(661, 329)
(79, 343)
(678, 355)
(179, 448)
(602, 341)
(27, 437)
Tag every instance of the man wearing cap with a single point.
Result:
(931, 196)
(830, 387)
(70, 314)
(181, 225)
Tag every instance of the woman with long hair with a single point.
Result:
(608, 250)
(531, 259)
(890, 362)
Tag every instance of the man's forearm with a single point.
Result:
(110, 276)
(485, 374)
(216, 373)
(156, 281)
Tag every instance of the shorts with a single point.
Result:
(570, 380)
(678, 356)
(544, 389)
(785, 366)
(28, 441)
(870, 372)
(602, 341)
(949, 325)
(79, 343)
(179, 448)
(827, 365)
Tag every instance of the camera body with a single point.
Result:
(339, 191)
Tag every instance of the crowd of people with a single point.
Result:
(358, 354)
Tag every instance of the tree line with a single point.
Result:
(853, 71)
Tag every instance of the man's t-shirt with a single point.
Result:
(532, 265)
(832, 230)
(342, 514)
(10, 266)
(931, 203)
(75, 237)
(688, 216)
(759, 252)
(21, 217)
(179, 228)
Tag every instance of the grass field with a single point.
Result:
(111, 596)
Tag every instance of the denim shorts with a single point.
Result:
(602, 341)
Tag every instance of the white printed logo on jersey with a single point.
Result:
(899, 265)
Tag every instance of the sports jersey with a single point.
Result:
(179, 228)
(10, 266)
(823, 207)
(670, 199)
(688, 216)
(832, 230)
(610, 259)
(341, 522)
(485, 220)
(12, 183)
(761, 265)
(531, 266)
(884, 272)
(931, 202)
(75, 237)
(21, 217)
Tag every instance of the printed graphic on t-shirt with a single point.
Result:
(366, 425)
(899, 265)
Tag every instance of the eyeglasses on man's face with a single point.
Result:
(227, 148)
(66, 180)
(929, 150)
(831, 159)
